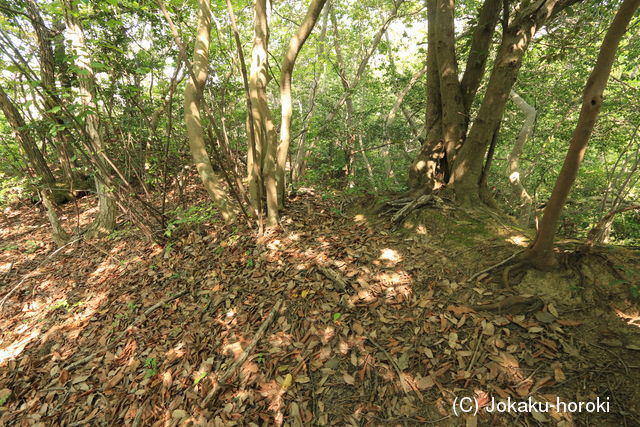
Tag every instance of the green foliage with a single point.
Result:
(151, 365)
(192, 216)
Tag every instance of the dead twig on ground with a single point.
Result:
(494, 266)
(394, 364)
(47, 258)
(243, 357)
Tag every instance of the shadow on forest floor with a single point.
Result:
(84, 340)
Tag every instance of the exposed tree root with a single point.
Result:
(494, 266)
(404, 206)
(516, 304)
(520, 269)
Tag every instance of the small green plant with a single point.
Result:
(194, 215)
(4, 396)
(64, 305)
(132, 306)
(32, 246)
(151, 365)
(202, 376)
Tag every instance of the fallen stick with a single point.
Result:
(241, 359)
(486, 270)
(333, 276)
(147, 312)
(395, 366)
(28, 276)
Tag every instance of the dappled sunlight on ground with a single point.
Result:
(377, 327)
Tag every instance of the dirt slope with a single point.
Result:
(376, 325)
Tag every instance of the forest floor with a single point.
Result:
(355, 322)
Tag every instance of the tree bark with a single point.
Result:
(423, 174)
(264, 130)
(105, 220)
(520, 193)
(479, 50)
(47, 74)
(541, 254)
(453, 111)
(467, 169)
(256, 201)
(29, 146)
(286, 71)
(193, 94)
(301, 155)
(39, 164)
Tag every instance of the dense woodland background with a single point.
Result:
(358, 105)
(173, 127)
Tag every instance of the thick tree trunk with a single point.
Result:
(264, 130)
(105, 220)
(423, 174)
(453, 111)
(467, 168)
(541, 254)
(519, 192)
(193, 93)
(296, 43)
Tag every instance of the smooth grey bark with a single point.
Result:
(513, 170)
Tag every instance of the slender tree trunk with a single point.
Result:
(479, 51)
(29, 146)
(601, 231)
(255, 199)
(541, 254)
(37, 161)
(397, 105)
(265, 147)
(301, 155)
(47, 74)
(350, 136)
(193, 94)
(520, 193)
(105, 220)
(296, 43)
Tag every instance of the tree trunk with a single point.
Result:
(47, 74)
(479, 51)
(37, 161)
(264, 130)
(296, 43)
(300, 159)
(519, 192)
(193, 94)
(105, 220)
(29, 146)
(467, 168)
(541, 254)
(453, 112)
(423, 174)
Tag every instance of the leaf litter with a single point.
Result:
(328, 321)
